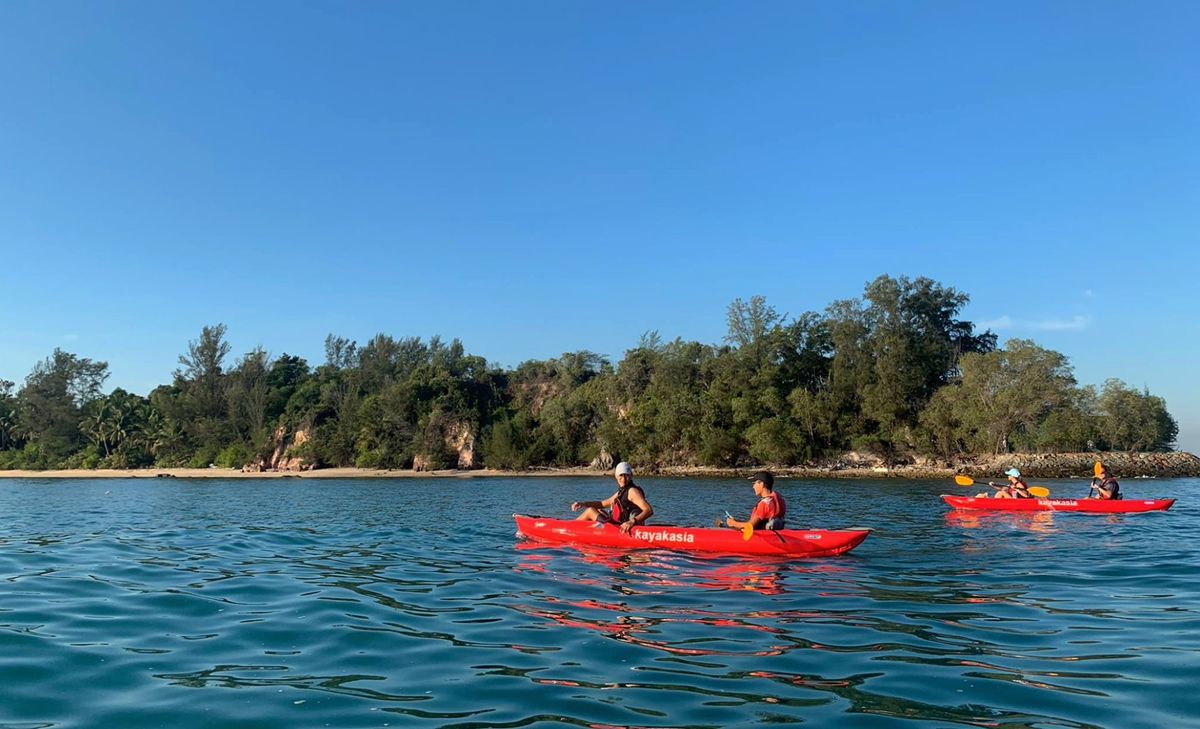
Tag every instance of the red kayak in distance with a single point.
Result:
(1090, 506)
(782, 543)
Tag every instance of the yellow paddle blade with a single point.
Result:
(963, 480)
(1097, 468)
(747, 531)
(1039, 491)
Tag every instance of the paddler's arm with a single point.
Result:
(577, 505)
(758, 523)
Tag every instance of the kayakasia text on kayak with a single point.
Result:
(650, 536)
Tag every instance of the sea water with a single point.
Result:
(410, 602)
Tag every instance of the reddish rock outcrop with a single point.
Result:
(460, 440)
(280, 459)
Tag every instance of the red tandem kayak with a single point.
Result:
(1091, 506)
(785, 542)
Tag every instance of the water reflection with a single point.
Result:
(925, 628)
(1041, 522)
(710, 636)
(650, 569)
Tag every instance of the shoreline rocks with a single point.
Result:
(1032, 465)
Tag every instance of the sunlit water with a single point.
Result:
(367, 603)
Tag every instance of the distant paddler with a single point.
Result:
(1016, 488)
(1104, 484)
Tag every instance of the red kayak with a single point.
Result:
(1090, 506)
(785, 542)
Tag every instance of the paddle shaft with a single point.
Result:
(1035, 491)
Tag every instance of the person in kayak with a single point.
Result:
(628, 507)
(1015, 489)
(770, 511)
(1105, 485)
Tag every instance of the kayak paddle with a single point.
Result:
(747, 531)
(1039, 491)
(1097, 469)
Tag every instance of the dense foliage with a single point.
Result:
(894, 372)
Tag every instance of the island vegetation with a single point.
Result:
(895, 372)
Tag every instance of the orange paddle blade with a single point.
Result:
(1039, 491)
(1097, 468)
(963, 480)
(747, 532)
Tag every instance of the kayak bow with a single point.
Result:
(784, 542)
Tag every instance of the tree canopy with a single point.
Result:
(896, 371)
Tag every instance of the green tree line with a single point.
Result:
(895, 372)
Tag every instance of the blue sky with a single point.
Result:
(542, 177)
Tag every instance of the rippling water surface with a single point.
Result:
(368, 603)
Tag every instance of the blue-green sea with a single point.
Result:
(410, 602)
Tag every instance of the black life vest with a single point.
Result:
(624, 509)
(1112, 486)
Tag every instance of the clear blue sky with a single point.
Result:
(542, 177)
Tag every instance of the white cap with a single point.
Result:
(623, 468)
(1013, 472)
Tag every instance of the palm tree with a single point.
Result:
(95, 425)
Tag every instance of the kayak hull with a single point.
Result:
(792, 543)
(1090, 506)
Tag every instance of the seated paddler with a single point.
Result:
(627, 507)
(1016, 488)
(1105, 484)
(770, 511)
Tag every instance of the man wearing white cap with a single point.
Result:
(1016, 488)
(628, 507)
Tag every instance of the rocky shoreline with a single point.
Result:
(849, 465)
(1032, 465)
(1064, 465)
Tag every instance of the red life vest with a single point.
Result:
(770, 507)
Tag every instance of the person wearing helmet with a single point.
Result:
(628, 507)
(1016, 488)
